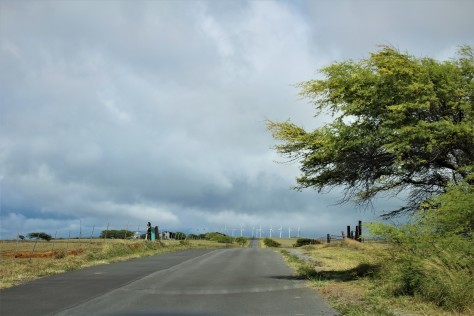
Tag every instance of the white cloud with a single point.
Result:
(155, 111)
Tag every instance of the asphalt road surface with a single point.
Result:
(237, 281)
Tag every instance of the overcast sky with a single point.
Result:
(124, 112)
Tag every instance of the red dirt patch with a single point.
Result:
(43, 254)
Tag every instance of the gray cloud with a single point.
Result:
(123, 112)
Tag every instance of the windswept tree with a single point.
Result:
(400, 124)
(41, 235)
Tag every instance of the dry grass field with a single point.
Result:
(347, 275)
(23, 261)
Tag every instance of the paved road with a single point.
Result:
(244, 281)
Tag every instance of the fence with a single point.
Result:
(67, 241)
(351, 234)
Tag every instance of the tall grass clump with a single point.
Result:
(433, 255)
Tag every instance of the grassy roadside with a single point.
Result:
(348, 275)
(14, 271)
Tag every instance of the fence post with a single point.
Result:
(16, 246)
(348, 231)
(54, 240)
(328, 238)
(67, 242)
(34, 247)
(126, 229)
(360, 231)
(106, 231)
(93, 227)
(357, 233)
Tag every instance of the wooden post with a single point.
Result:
(352, 234)
(92, 233)
(106, 231)
(54, 240)
(126, 230)
(357, 233)
(360, 231)
(67, 242)
(328, 238)
(16, 246)
(348, 231)
(34, 247)
(343, 236)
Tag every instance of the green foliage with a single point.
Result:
(271, 243)
(305, 241)
(242, 241)
(433, 256)
(400, 123)
(43, 236)
(180, 236)
(116, 234)
(219, 237)
(193, 236)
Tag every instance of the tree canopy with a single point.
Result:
(116, 234)
(400, 124)
(41, 235)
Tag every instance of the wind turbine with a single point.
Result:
(289, 232)
(271, 228)
(281, 227)
(298, 231)
(241, 230)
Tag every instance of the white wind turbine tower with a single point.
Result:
(280, 229)
(271, 228)
(298, 231)
(289, 232)
(241, 230)
(260, 231)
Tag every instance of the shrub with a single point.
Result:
(242, 241)
(433, 257)
(116, 234)
(304, 241)
(60, 254)
(219, 237)
(271, 243)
